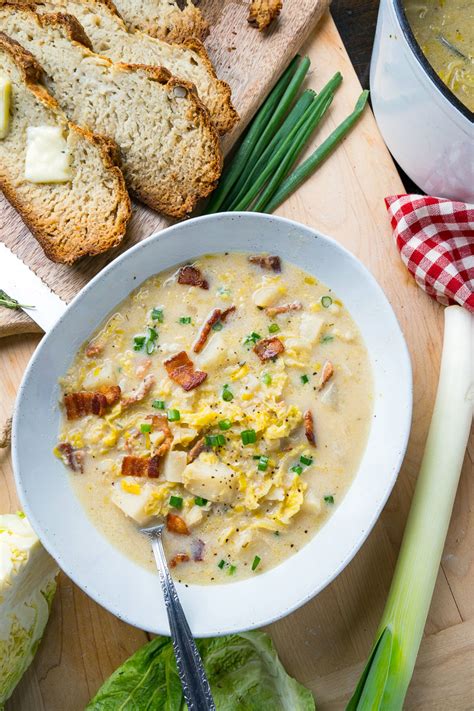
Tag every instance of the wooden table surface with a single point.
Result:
(325, 643)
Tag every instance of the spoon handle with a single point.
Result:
(196, 689)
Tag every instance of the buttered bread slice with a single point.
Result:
(110, 37)
(62, 179)
(169, 148)
(164, 18)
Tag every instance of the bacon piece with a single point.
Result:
(94, 349)
(140, 392)
(197, 549)
(326, 373)
(275, 310)
(217, 315)
(196, 450)
(309, 427)
(178, 558)
(180, 368)
(143, 367)
(160, 424)
(176, 524)
(141, 466)
(269, 348)
(266, 261)
(72, 458)
(192, 276)
(84, 402)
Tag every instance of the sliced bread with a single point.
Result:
(169, 148)
(84, 216)
(189, 61)
(164, 18)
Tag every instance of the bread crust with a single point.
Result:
(263, 12)
(43, 229)
(186, 23)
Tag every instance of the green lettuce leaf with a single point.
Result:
(244, 672)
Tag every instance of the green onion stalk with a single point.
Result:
(385, 679)
(309, 166)
(262, 128)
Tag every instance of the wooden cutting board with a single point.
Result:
(236, 50)
(325, 643)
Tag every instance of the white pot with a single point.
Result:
(427, 129)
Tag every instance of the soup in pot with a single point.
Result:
(444, 29)
(230, 399)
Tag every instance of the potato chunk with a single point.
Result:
(174, 465)
(266, 295)
(310, 328)
(215, 482)
(130, 496)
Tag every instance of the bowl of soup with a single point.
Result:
(422, 89)
(240, 378)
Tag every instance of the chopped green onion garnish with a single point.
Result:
(199, 501)
(227, 394)
(304, 379)
(232, 569)
(145, 428)
(185, 319)
(267, 378)
(248, 436)
(225, 424)
(329, 499)
(252, 339)
(152, 334)
(326, 339)
(158, 404)
(138, 342)
(221, 564)
(157, 315)
(273, 328)
(173, 415)
(263, 464)
(217, 326)
(256, 561)
(176, 502)
(326, 301)
(307, 461)
(297, 469)
(149, 347)
(215, 440)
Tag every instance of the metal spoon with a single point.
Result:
(452, 47)
(196, 689)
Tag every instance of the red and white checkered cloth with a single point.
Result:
(436, 242)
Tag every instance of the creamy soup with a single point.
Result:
(230, 399)
(444, 29)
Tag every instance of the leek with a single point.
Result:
(385, 679)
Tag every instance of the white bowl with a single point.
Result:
(123, 587)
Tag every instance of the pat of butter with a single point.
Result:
(5, 101)
(47, 157)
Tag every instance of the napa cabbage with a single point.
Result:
(27, 586)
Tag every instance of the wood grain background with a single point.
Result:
(325, 643)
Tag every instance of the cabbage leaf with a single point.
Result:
(244, 672)
(27, 586)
